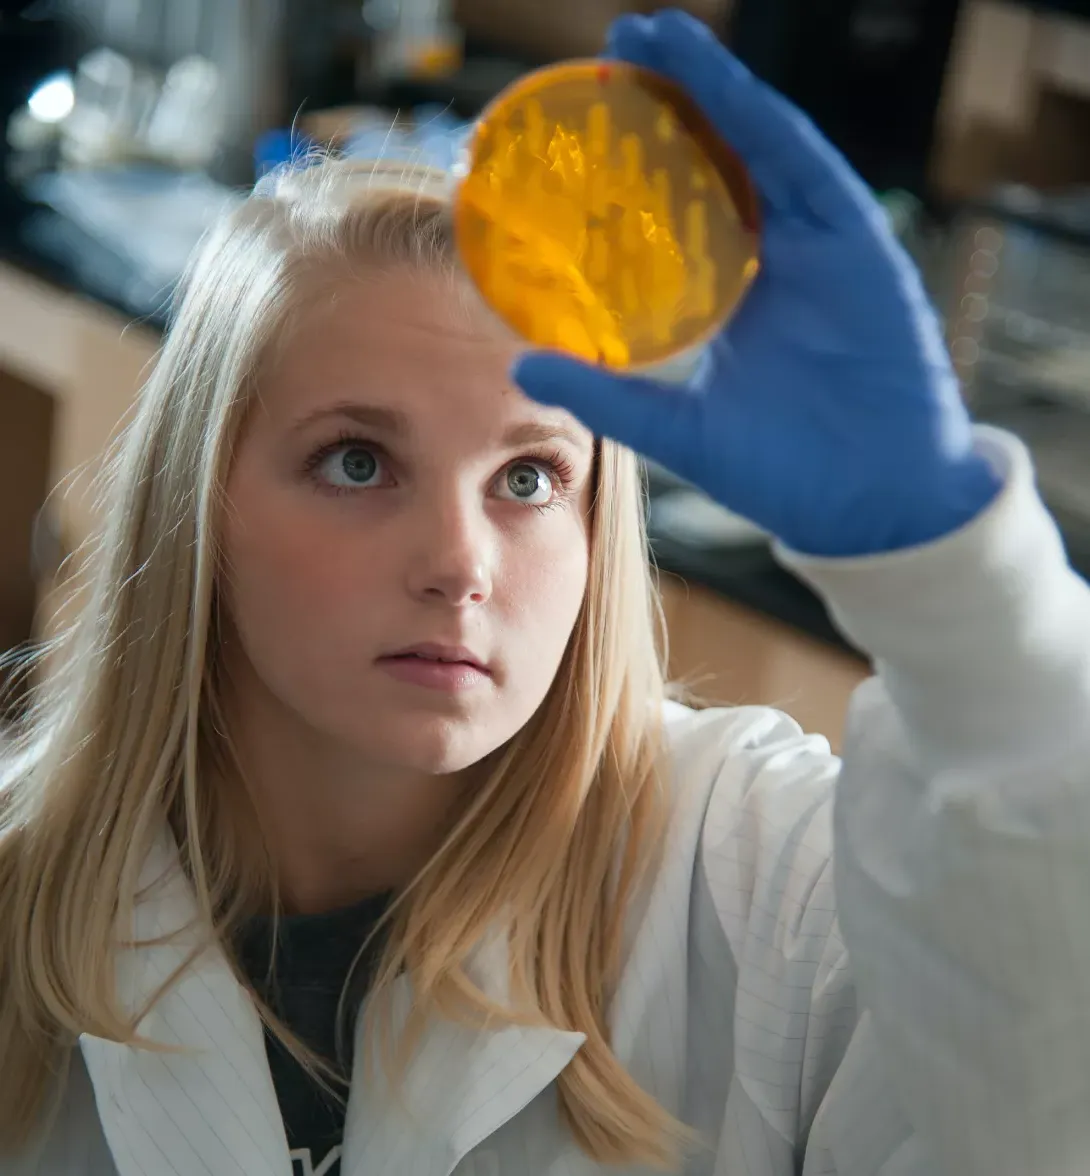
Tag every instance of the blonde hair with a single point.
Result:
(124, 726)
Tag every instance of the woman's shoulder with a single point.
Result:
(756, 849)
(754, 808)
(733, 750)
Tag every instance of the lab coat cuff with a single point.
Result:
(987, 627)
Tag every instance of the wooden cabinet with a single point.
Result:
(69, 372)
(1016, 103)
(563, 28)
(26, 428)
(730, 655)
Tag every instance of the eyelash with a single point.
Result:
(559, 466)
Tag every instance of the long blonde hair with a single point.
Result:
(125, 724)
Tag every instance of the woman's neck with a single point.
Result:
(338, 828)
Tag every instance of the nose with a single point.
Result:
(454, 551)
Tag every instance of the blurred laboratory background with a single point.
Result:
(128, 125)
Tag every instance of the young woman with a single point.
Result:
(363, 715)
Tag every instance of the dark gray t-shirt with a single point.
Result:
(312, 959)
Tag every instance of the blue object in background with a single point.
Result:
(434, 138)
(280, 146)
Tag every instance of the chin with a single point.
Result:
(433, 746)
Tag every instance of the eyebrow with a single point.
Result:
(394, 423)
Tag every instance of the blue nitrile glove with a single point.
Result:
(828, 412)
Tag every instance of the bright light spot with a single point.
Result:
(53, 99)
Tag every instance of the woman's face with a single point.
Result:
(406, 535)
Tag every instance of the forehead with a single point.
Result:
(413, 342)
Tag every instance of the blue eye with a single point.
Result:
(349, 466)
(528, 482)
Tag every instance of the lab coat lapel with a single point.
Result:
(212, 1108)
(461, 1086)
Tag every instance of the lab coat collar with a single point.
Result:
(213, 1108)
(462, 1085)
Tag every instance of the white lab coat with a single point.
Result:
(956, 1037)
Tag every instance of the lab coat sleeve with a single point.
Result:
(962, 833)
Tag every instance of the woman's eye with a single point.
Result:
(349, 466)
(525, 481)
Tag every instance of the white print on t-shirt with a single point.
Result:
(480, 1163)
(303, 1165)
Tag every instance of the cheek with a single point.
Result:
(542, 585)
(282, 562)
(289, 565)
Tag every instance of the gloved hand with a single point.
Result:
(828, 412)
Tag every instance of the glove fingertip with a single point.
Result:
(545, 375)
(631, 25)
(630, 38)
(678, 21)
(680, 34)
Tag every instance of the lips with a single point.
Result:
(434, 652)
(439, 670)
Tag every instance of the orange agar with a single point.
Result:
(600, 213)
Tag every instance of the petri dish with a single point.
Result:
(598, 212)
